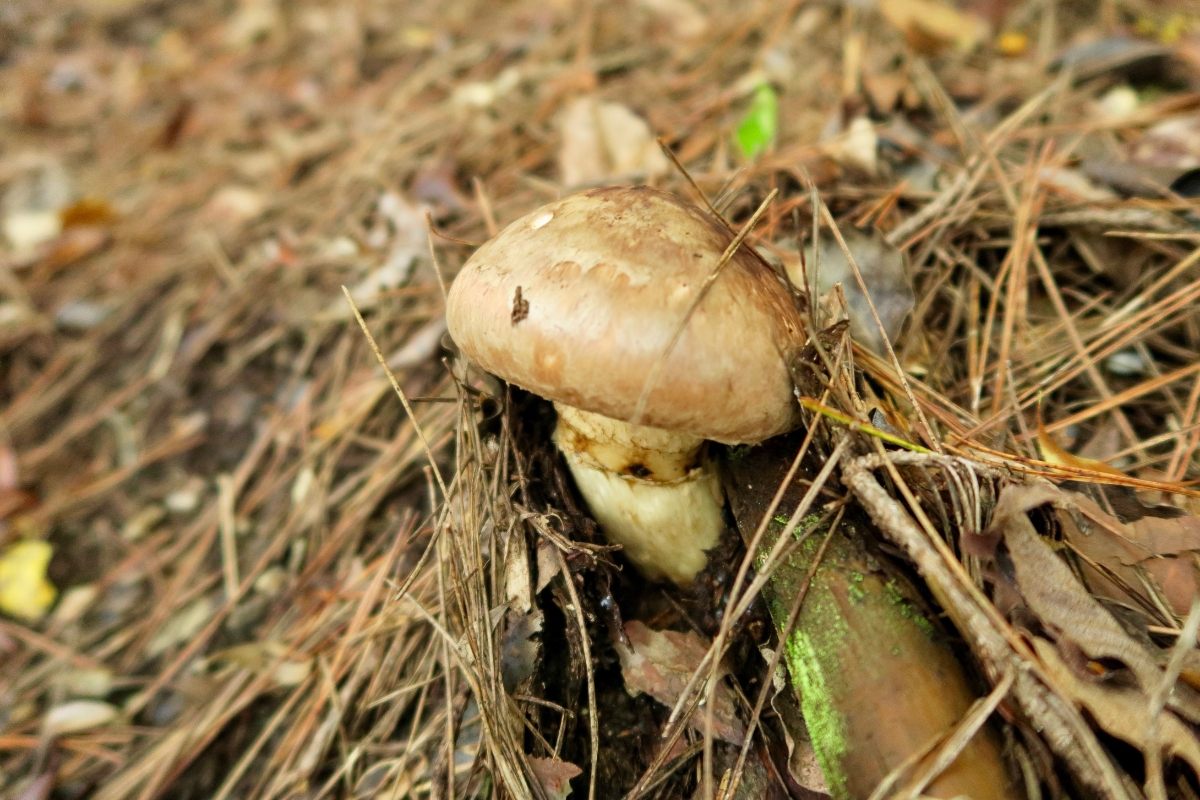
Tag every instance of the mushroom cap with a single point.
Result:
(578, 300)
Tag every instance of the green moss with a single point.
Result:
(907, 610)
(814, 657)
(737, 452)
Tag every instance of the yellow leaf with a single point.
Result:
(24, 591)
(1012, 43)
(1053, 454)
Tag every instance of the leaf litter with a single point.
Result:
(273, 581)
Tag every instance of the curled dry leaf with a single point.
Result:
(802, 757)
(554, 775)
(1054, 594)
(1055, 454)
(548, 564)
(1124, 713)
(1065, 607)
(856, 147)
(660, 663)
(517, 588)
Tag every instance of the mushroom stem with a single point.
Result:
(653, 492)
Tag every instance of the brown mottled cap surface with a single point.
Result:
(576, 301)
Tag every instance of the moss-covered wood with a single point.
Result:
(876, 678)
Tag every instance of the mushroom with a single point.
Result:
(579, 302)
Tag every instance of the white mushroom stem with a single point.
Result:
(652, 491)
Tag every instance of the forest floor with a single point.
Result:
(221, 574)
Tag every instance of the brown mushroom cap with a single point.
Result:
(576, 301)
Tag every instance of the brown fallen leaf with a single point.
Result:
(1064, 605)
(72, 245)
(1054, 594)
(1124, 713)
(88, 211)
(660, 663)
(1173, 143)
(555, 776)
(1129, 540)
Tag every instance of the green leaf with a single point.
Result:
(757, 130)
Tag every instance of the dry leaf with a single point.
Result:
(33, 200)
(660, 664)
(1173, 143)
(1139, 537)
(548, 564)
(95, 683)
(233, 206)
(79, 715)
(555, 776)
(75, 601)
(1054, 454)
(72, 245)
(24, 591)
(518, 655)
(28, 228)
(931, 26)
(39, 788)
(1054, 594)
(882, 268)
(685, 20)
(1092, 58)
(802, 757)
(602, 140)
(401, 226)
(181, 627)
(258, 656)
(856, 147)
(517, 581)
(254, 20)
(1124, 713)
(1074, 185)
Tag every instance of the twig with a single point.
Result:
(593, 715)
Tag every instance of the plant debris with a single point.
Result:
(239, 559)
